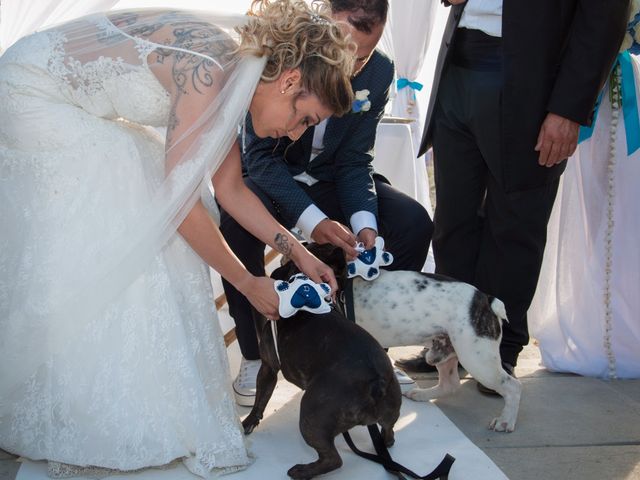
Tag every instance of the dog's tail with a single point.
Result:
(498, 308)
(377, 378)
(378, 388)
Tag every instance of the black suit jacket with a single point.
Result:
(557, 55)
(345, 160)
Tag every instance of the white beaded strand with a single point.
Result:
(615, 96)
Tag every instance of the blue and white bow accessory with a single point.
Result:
(368, 263)
(300, 293)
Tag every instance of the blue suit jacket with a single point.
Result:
(345, 160)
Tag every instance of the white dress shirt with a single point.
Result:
(484, 15)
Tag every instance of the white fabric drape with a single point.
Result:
(585, 311)
(22, 17)
(406, 39)
(236, 6)
(393, 141)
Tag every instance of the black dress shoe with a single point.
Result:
(488, 391)
(416, 363)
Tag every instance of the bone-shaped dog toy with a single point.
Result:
(300, 293)
(368, 263)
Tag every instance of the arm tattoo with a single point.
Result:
(172, 124)
(282, 244)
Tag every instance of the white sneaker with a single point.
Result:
(406, 382)
(244, 386)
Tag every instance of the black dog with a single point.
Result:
(347, 377)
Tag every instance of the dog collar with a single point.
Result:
(367, 264)
(300, 293)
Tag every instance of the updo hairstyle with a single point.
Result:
(293, 34)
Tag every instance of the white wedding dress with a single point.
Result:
(585, 314)
(111, 362)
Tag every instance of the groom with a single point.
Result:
(514, 80)
(324, 184)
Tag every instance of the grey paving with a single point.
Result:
(569, 427)
(569, 463)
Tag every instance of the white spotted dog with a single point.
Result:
(453, 319)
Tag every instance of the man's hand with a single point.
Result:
(330, 231)
(368, 237)
(557, 140)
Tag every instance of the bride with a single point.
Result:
(585, 311)
(110, 354)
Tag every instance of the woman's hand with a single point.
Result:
(314, 269)
(261, 294)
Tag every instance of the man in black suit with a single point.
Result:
(514, 81)
(323, 183)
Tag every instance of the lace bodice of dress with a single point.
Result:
(111, 86)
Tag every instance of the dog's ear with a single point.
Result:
(327, 253)
(331, 255)
(285, 271)
(338, 262)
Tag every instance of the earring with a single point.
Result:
(282, 91)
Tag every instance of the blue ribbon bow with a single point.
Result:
(406, 83)
(629, 105)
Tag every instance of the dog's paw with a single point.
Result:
(501, 425)
(299, 472)
(303, 471)
(388, 436)
(418, 394)
(250, 423)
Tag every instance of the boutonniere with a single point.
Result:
(361, 102)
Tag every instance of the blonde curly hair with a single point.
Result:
(294, 34)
